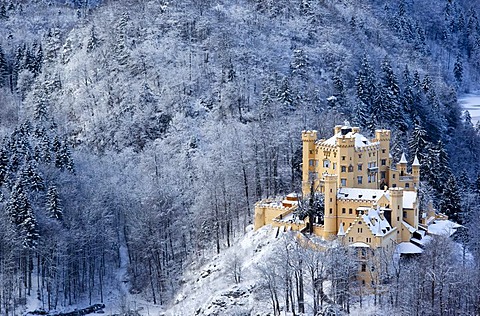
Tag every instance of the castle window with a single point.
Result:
(360, 230)
(382, 174)
(350, 239)
(343, 157)
(359, 167)
(394, 175)
(344, 169)
(312, 162)
(343, 182)
(331, 190)
(331, 200)
(326, 163)
(369, 154)
(343, 210)
(394, 185)
(404, 214)
(364, 268)
(383, 150)
(350, 168)
(360, 179)
(359, 156)
(334, 165)
(407, 185)
(312, 176)
(374, 154)
(350, 211)
(331, 210)
(384, 162)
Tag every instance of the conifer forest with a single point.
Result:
(136, 136)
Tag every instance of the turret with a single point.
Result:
(308, 160)
(402, 165)
(416, 172)
(396, 199)
(330, 216)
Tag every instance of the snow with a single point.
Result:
(443, 227)
(377, 225)
(410, 228)
(360, 140)
(359, 244)
(361, 194)
(471, 103)
(415, 161)
(408, 248)
(403, 159)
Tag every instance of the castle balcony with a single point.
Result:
(406, 178)
(372, 169)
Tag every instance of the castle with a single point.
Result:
(369, 203)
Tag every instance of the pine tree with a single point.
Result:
(458, 69)
(3, 69)
(450, 200)
(392, 110)
(366, 94)
(3, 165)
(19, 210)
(53, 206)
(92, 40)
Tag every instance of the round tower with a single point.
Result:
(330, 216)
(308, 141)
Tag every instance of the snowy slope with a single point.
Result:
(211, 290)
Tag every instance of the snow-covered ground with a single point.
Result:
(471, 103)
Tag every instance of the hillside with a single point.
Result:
(147, 129)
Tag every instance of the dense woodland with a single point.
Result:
(153, 126)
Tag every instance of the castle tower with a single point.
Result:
(330, 216)
(383, 137)
(346, 151)
(402, 165)
(396, 199)
(308, 161)
(416, 172)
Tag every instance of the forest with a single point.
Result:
(136, 135)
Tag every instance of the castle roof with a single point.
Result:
(403, 159)
(373, 195)
(415, 161)
(378, 225)
(360, 140)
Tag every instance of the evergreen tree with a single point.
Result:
(3, 165)
(392, 110)
(450, 200)
(19, 210)
(53, 206)
(3, 69)
(366, 94)
(458, 69)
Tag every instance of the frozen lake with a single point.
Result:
(471, 102)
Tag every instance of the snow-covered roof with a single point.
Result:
(443, 227)
(360, 194)
(415, 161)
(409, 197)
(360, 140)
(359, 244)
(378, 226)
(403, 159)
(408, 248)
(410, 228)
